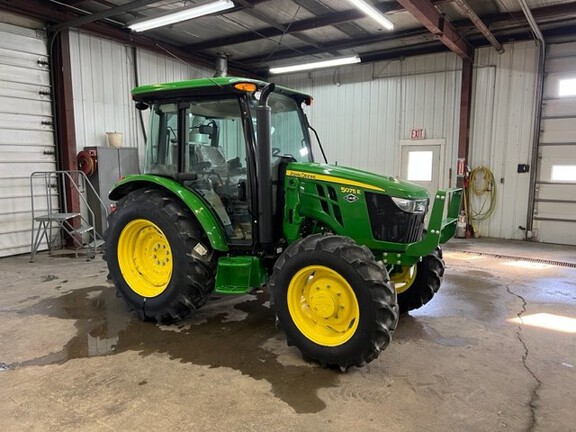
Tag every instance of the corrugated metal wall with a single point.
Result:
(501, 132)
(103, 76)
(362, 113)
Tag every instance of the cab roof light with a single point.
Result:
(246, 87)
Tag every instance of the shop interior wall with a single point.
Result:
(103, 74)
(501, 135)
(361, 112)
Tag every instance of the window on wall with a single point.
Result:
(567, 87)
(420, 166)
(564, 173)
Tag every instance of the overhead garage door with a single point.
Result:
(555, 206)
(26, 132)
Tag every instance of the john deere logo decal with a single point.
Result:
(351, 198)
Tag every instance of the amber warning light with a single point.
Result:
(247, 87)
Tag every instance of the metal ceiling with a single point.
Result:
(257, 34)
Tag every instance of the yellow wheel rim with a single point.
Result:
(145, 258)
(323, 305)
(403, 278)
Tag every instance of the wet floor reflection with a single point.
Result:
(412, 329)
(105, 327)
(477, 295)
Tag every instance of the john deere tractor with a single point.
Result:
(231, 200)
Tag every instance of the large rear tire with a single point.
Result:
(158, 256)
(417, 285)
(333, 301)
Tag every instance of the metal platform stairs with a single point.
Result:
(52, 221)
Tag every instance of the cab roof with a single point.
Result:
(206, 87)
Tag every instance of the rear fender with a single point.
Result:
(202, 212)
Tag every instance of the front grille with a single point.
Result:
(391, 224)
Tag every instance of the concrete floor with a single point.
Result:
(73, 359)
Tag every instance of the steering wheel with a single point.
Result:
(276, 152)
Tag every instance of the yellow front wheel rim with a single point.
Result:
(403, 278)
(145, 258)
(323, 305)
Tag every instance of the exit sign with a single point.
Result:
(417, 134)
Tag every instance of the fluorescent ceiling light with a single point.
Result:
(373, 13)
(181, 15)
(316, 65)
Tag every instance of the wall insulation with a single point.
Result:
(362, 112)
(103, 75)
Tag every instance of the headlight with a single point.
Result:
(411, 206)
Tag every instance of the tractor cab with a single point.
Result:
(209, 144)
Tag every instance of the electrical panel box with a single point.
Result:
(523, 168)
(111, 164)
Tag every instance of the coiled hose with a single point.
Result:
(482, 186)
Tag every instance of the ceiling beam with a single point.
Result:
(510, 28)
(425, 12)
(130, 7)
(273, 31)
(516, 19)
(282, 28)
(543, 13)
(465, 7)
(297, 26)
(96, 16)
(562, 10)
(335, 45)
(47, 12)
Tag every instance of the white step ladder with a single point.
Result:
(51, 220)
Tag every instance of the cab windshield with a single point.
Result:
(289, 134)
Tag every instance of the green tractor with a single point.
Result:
(232, 200)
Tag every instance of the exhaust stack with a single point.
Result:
(221, 65)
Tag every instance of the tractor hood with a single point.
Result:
(356, 179)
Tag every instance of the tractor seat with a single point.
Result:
(215, 156)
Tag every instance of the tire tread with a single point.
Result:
(382, 293)
(200, 271)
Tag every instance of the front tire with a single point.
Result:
(333, 301)
(418, 284)
(158, 256)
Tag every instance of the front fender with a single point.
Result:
(207, 219)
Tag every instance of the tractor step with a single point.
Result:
(239, 275)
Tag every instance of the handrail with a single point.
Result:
(79, 182)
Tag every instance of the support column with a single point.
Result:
(63, 111)
(465, 114)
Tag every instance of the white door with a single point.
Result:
(421, 162)
(555, 199)
(26, 131)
